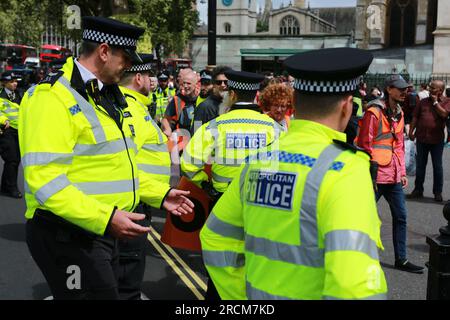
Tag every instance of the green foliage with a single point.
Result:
(169, 24)
(262, 26)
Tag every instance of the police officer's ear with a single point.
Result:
(346, 110)
(232, 97)
(103, 52)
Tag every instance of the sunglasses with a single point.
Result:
(205, 82)
(219, 82)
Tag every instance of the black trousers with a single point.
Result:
(76, 266)
(10, 153)
(132, 261)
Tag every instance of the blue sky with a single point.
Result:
(277, 3)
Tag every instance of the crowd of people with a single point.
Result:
(272, 144)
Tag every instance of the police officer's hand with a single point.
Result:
(177, 203)
(6, 124)
(123, 227)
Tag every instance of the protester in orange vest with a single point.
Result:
(180, 112)
(381, 135)
(275, 100)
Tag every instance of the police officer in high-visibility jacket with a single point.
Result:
(227, 140)
(231, 137)
(300, 220)
(164, 94)
(81, 176)
(153, 158)
(10, 99)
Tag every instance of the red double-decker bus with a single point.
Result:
(15, 54)
(50, 52)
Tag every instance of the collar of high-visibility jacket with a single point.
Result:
(316, 130)
(87, 75)
(138, 96)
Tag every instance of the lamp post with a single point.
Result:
(212, 27)
(438, 286)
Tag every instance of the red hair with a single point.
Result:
(275, 95)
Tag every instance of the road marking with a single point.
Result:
(188, 269)
(175, 268)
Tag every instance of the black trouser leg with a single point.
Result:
(75, 266)
(10, 153)
(132, 265)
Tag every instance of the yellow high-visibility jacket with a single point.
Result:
(298, 222)
(153, 155)
(225, 142)
(77, 162)
(9, 111)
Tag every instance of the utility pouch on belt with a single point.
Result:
(51, 218)
(212, 193)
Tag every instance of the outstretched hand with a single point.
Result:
(177, 203)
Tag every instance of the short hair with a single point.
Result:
(219, 70)
(244, 95)
(126, 79)
(317, 106)
(87, 48)
(277, 94)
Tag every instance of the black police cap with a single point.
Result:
(9, 75)
(242, 80)
(205, 75)
(335, 70)
(164, 75)
(112, 32)
(146, 65)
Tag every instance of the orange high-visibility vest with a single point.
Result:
(383, 144)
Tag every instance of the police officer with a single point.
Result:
(164, 95)
(228, 139)
(9, 143)
(288, 227)
(153, 159)
(206, 86)
(80, 170)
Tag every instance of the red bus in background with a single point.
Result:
(15, 54)
(50, 52)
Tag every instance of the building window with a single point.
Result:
(227, 27)
(289, 26)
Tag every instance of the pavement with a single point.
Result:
(179, 274)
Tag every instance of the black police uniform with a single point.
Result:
(9, 146)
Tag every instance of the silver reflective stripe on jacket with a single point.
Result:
(105, 147)
(88, 111)
(223, 258)
(223, 228)
(381, 296)
(156, 147)
(154, 169)
(51, 188)
(218, 178)
(44, 158)
(107, 187)
(257, 294)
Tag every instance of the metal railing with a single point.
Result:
(377, 79)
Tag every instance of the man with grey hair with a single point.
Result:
(428, 126)
(180, 111)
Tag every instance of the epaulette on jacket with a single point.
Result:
(51, 78)
(347, 146)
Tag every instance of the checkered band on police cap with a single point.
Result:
(141, 68)
(111, 39)
(243, 86)
(326, 86)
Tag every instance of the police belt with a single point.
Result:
(47, 218)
